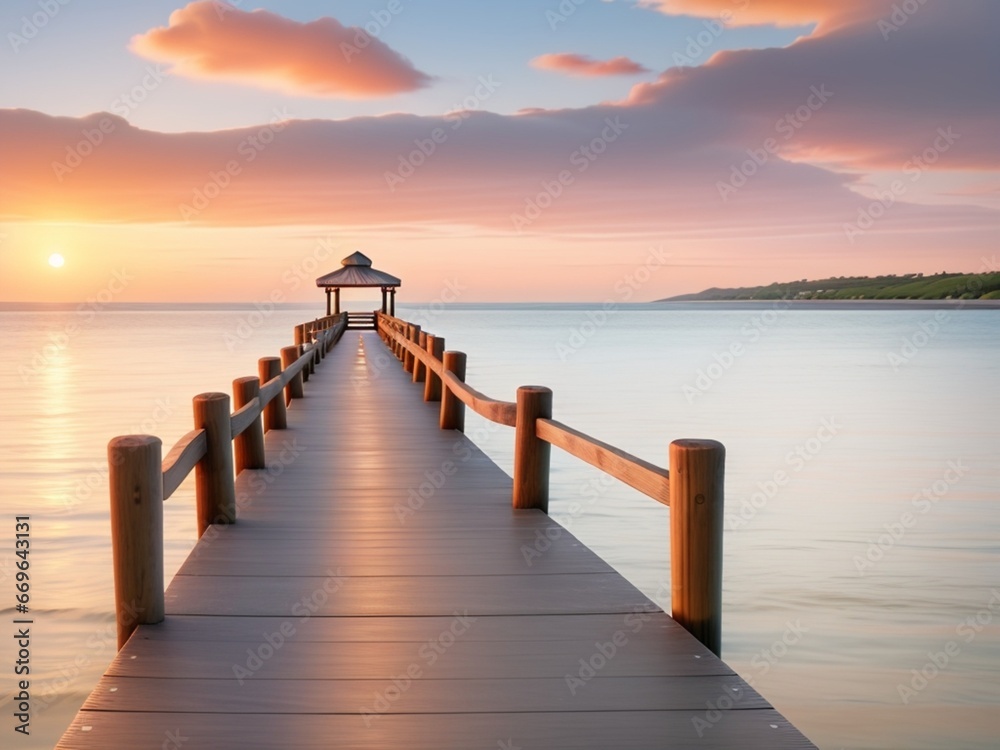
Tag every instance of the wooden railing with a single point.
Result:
(361, 320)
(692, 488)
(141, 478)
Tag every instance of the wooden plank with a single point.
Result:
(657, 626)
(235, 555)
(423, 695)
(411, 595)
(464, 660)
(433, 534)
(622, 730)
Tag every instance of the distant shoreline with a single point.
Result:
(842, 305)
(912, 287)
(832, 304)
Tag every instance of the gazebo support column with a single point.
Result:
(328, 301)
(392, 302)
(336, 301)
(384, 296)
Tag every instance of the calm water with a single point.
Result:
(863, 484)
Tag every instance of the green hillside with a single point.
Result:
(911, 286)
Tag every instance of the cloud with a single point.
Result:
(892, 88)
(653, 171)
(827, 13)
(581, 65)
(805, 123)
(210, 39)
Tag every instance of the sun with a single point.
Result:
(56, 260)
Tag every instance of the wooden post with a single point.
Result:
(697, 473)
(328, 308)
(432, 386)
(311, 364)
(531, 455)
(453, 410)
(385, 295)
(392, 302)
(249, 446)
(300, 342)
(412, 333)
(314, 338)
(275, 415)
(214, 486)
(336, 301)
(405, 332)
(419, 371)
(330, 339)
(294, 388)
(135, 478)
(318, 340)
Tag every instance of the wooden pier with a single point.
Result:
(372, 580)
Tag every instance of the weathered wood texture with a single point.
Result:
(136, 483)
(378, 590)
(452, 409)
(531, 454)
(648, 478)
(248, 425)
(182, 459)
(215, 491)
(696, 502)
(294, 388)
(432, 384)
(275, 413)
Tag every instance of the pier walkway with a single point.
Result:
(379, 591)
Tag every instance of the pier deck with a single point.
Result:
(379, 591)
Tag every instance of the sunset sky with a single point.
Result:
(522, 150)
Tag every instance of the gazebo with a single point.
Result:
(357, 271)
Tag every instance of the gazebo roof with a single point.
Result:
(357, 271)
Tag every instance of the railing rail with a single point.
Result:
(142, 478)
(182, 459)
(361, 320)
(244, 417)
(693, 488)
(651, 480)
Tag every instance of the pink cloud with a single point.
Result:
(582, 65)
(827, 13)
(658, 177)
(789, 118)
(652, 172)
(213, 40)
